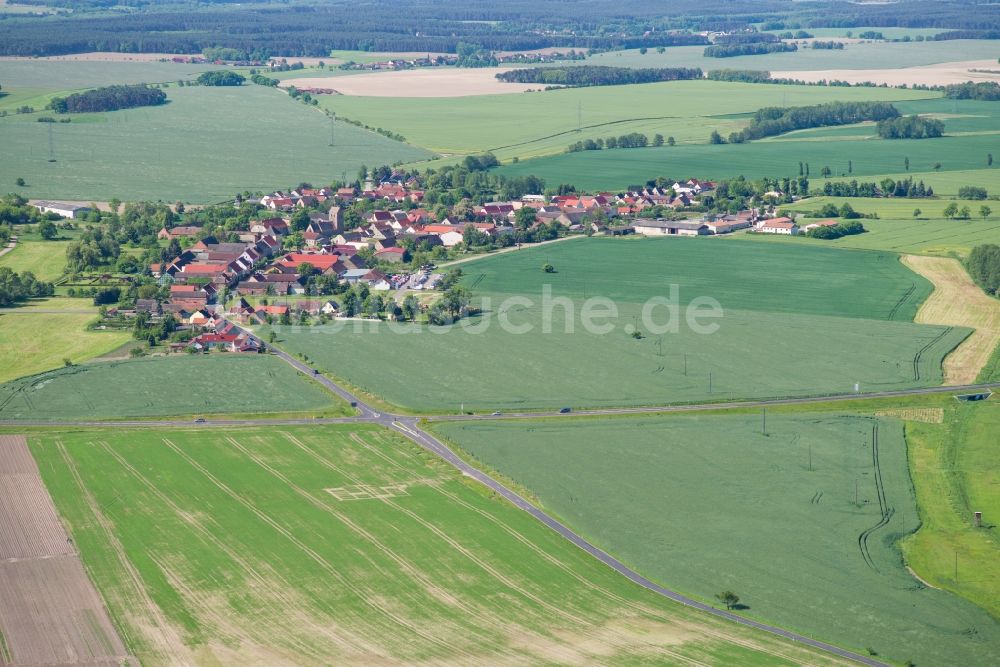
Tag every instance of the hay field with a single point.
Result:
(938, 74)
(796, 321)
(437, 82)
(544, 123)
(177, 385)
(707, 503)
(957, 301)
(348, 545)
(853, 56)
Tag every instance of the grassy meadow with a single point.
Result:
(46, 259)
(797, 320)
(180, 385)
(955, 469)
(708, 503)
(189, 149)
(37, 337)
(348, 545)
(896, 229)
(544, 123)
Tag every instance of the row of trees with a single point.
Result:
(594, 75)
(220, 78)
(753, 49)
(630, 140)
(983, 265)
(108, 98)
(986, 90)
(837, 231)
(17, 287)
(771, 121)
(972, 192)
(741, 75)
(910, 127)
(887, 187)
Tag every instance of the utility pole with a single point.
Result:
(685, 364)
(579, 116)
(333, 121)
(810, 457)
(763, 422)
(710, 382)
(52, 156)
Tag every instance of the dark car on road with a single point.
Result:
(563, 411)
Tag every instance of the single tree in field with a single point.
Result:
(917, 212)
(728, 598)
(671, 141)
(548, 268)
(658, 140)
(850, 166)
(985, 211)
(937, 166)
(47, 230)
(114, 204)
(716, 138)
(989, 159)
(950, 210)
(964, 213)
(19, 182)
(825, 172)
(906, 163)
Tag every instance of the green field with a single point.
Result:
(620, 168)
(707, 503)
(542, 123)
(165, 386)
(876, 55)
(955, 468)
(39, 336)
(797, 320)
(46, 259)
(187, 149)
(34, 82)
(245, 547)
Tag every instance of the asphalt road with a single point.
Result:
(408, 427)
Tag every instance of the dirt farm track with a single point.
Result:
(50, 612)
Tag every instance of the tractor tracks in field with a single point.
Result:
(885, 510)
(920, 353)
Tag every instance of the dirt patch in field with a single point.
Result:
(50, 613)
(957, 301)
(931, 75)
(436, 82)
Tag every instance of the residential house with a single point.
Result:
(778, 226)
(177, 233)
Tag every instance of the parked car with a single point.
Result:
(199, 420)
(497, 414)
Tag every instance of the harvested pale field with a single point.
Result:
(106, 56)
(438, 82)
(930, 75)
(50, 613)
(957, 301)
(922, 415)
